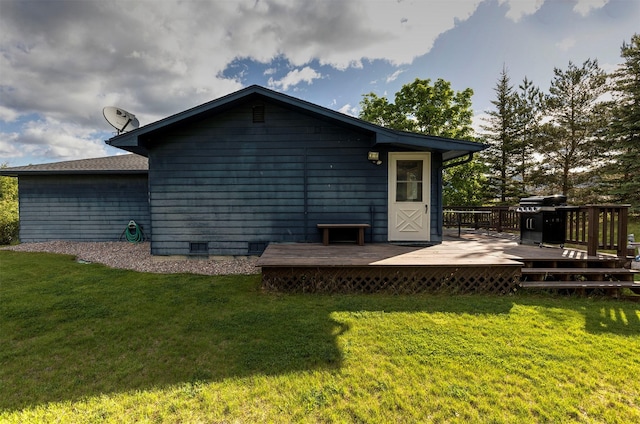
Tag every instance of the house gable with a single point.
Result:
(142, 139)
(232, 184)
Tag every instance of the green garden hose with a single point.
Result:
(133, 233)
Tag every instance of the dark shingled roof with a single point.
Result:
(121, 164)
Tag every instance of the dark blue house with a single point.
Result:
(257, 167)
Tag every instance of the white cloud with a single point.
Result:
(394, 76)
(54, 140)
(9, 146)
(520, 8)
(7, 114)
(396, 26)
(583, 7)
(566, 43)
(349, 110)
(295, 77)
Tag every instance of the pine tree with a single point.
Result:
(529, 101)
(568, 142)
(625, 126)
(511, 131)
(500, 134)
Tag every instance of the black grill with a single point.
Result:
(543, 220)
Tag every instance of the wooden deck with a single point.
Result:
(469, 250)
(471, 263)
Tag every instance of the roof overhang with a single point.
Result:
(140, 140)
(449, 148)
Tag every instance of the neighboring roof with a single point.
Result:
(134, 141)
(121, 164)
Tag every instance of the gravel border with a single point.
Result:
(137, 257)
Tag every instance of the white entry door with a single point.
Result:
(409, 196)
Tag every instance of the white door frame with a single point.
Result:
(409, 213)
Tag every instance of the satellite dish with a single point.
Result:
(120, 119)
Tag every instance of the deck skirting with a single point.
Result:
(392, 279)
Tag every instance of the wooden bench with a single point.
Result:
(326, 227)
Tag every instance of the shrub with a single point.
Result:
(9, 221)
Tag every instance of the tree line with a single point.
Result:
(580, 138)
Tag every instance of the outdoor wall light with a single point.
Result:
(374, 157)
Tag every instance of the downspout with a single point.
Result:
(306, 198)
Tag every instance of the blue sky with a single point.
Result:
(63, 61)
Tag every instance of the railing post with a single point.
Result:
(623, 221)
(592, 230)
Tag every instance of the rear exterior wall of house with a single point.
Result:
(226, 185)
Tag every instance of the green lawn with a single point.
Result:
(85, 343)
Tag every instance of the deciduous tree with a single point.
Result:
(8, 209)
(426, 108)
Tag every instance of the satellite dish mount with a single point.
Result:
(120, 119)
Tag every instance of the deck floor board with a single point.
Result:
(470, 250)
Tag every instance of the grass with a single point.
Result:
(85, 343)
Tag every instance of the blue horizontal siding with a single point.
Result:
(228, 182)
(81, 208)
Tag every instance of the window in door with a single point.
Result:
(409, 181)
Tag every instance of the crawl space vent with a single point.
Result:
(257, 247)
(198, 248)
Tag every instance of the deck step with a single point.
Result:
(577, 271)
(580, 284)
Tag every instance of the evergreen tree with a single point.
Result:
(529, 101)
(501, 133)
(511, 131)
(625, 127)
(568, 143)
